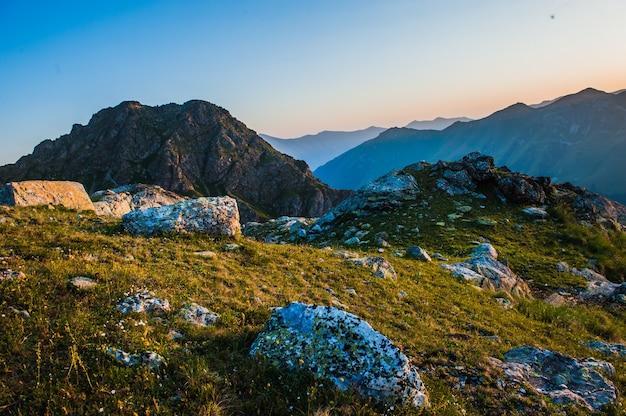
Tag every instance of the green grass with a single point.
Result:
(55, 361)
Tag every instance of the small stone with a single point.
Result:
(198, 315)
(232, 246)
(415, 252)
(535, 212)
(83, 283)
(350, 291)
(143, 302)
(486, 221)
(210, 254)
(8, 274)
(352, 241)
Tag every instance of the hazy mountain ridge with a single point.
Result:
(578, 138)
(317, 149)
(196, 148)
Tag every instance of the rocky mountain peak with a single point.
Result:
(194, 149)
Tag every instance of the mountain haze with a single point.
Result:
(317, 149)
(580, 138)
(195, 149)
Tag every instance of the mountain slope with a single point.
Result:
(317, 149)
(194, 149)
(579, 138)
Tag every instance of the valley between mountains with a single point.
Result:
(167, 260)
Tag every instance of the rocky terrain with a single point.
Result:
(194, 149)
(443, 288)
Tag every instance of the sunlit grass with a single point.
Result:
(55, 361)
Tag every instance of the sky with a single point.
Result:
(292, 67)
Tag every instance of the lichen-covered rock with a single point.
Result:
(119, 201)
(215, 216)
(380, 267)
(144, 302)
(486, 272)
(561, 377)
(147, 358)
(71, 195)
(198, 315)
(341, 347)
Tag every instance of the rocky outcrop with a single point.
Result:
(71, 195)
(119, 201)
(561, 377)
(339, 346)
(215, 216)
(385, 192)
(486, 272)
(195, 149)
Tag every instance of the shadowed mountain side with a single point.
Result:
(194, 149)
(579, 138)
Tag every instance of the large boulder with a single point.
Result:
(71, 195)
(561, 377)
(486, 272)
(119, 201)
(215, 216)
(339, 346)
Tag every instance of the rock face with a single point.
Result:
(485, 271)
(561, 377)
(341, 347)
(119, 201)
(71, 195)
(195, 149)
(216, 216)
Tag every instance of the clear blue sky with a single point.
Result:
(292, 67)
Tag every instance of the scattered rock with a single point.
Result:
(8, 274)
(119, 201)
(210, 254)
(605, 347)
(71, 195)
(561, 377)
(535, 212)
(22, 313)
(343, 254)
(232, 246)
(352, 241)
(486, 221)
(418, 253)
(505, 303)
(339, 346)
(381, 268)
(524, 189)
(144, 302)
(555, 299)
(147, 358)
(198, 315)
(562, 267)
(215, 216)
(486, 272)
(82, 283)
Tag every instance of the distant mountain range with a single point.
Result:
(317, 149)
(195, 149)
(580, 138)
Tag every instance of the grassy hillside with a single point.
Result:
(55, 361)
